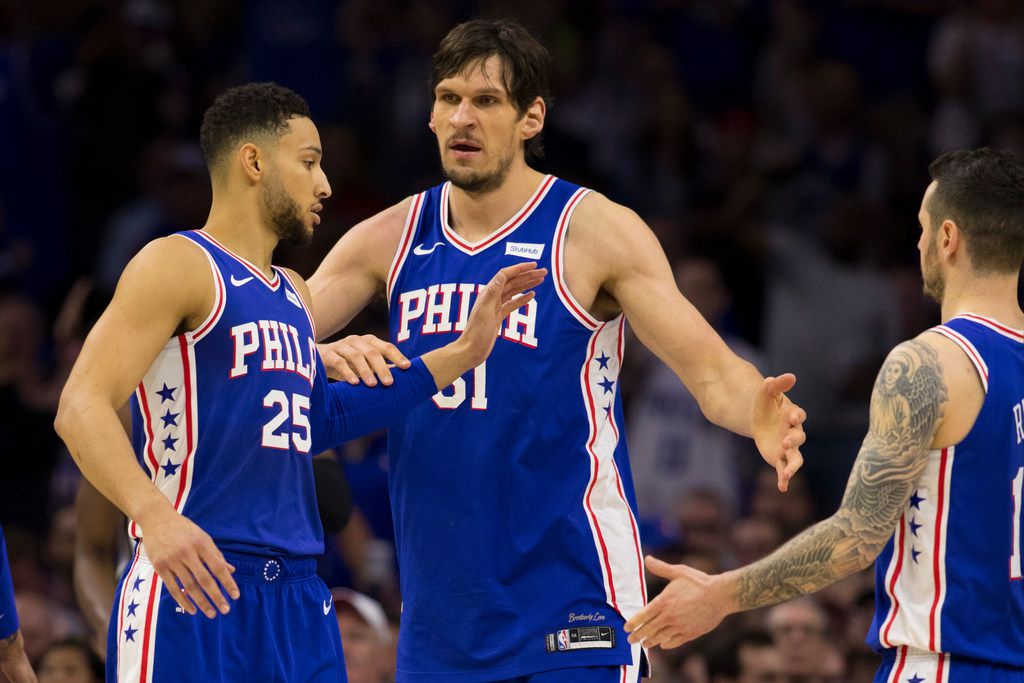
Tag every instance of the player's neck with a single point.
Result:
(475, 216)
(241, 227)
(992, 296)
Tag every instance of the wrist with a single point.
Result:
(152, 507)
(726, 587)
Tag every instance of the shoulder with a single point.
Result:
(173, 260)
(596, 212)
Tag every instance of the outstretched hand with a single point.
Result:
(691, 605)
(495, 302)
(778, 426)
(362, 358)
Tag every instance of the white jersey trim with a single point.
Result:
(916, 577)
(574, 307)
(412, 219)
(271, 283)
(969, 349)
(614, 529)
(995, 326)
(136, 644)
(219, 299)
(504, 231)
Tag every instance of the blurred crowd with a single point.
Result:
(778, 148)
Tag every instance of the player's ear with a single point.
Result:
(949, 238)
(251, 162)
(533, 119)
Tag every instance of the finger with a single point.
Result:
(189, 588)
(796, 438)
(781, 384)
(379, 366)
(660, 568)
(524, 282)
(362, 368)
(656, 634)
(210, 587)
(780, 468)
(673, 642)
(794, 461)
(517, 269)
(173, 585)
(515, 303)
(642, 617)
(392, 353)
(340, 369)
(221, 569)
(797, 417)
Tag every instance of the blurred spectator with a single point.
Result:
(747, 657)
(365, 636)
(799, 630)
(69, 661)
(754, 537)
(43, 622)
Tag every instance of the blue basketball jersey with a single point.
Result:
(513, 504)
(949, 580)
(8, 610)
(221, 421)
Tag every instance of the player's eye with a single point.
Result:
(450, 98)
(308, 163)
(486, 100)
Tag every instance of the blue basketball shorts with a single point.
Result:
(282, 628)
(591, 674)
(8, 610)
(905, 664)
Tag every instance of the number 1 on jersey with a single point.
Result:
(1018, 484)
(452, 401)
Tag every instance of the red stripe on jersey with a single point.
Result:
(968, 348)
(1016, 334)
(594, 476)
(892, 583)
(187, 374)
(936, 559)
(147, 635)
(273, 284)
(218, 306)
(900, 663)
(942, 665)
(502, 232)
(124, 594)
(403, 251)
(147, 421)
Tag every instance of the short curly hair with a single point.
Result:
(250, 110)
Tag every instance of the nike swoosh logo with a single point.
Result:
(420, 251)
(239, 283)
(327, 607)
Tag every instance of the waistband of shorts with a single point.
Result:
(270, 569)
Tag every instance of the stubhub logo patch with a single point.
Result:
(523, 249)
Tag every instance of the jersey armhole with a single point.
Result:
(412, 220)
(219, 300)
(969, 350)
(574, 307)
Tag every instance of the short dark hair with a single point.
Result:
(982, 191)
(92, 660)
(250, 110)
(526, 63)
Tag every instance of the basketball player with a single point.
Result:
(935, 492)
(513, 504)
(229, 399)
(13, 660)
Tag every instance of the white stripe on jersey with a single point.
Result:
(969, 349)
(914, 664)
(558, 263)
(916, 576)
(405, 242)
(137, 621)
(616, 538)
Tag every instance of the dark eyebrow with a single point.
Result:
(314, 148)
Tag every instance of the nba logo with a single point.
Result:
(563, 640)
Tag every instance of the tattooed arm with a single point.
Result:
(906, 410)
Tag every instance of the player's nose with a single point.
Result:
(462, 117)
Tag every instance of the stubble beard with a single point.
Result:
(934, 284)
(285, 215)
(478, 182)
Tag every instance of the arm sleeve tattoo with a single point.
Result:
(906, 406)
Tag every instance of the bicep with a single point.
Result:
(355, 269)
(152, 301)
(907, 405)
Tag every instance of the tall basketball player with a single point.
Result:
(935, 493)
(14, 662)
(216, 349)
(514, 511)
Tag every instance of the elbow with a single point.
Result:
(67, 411)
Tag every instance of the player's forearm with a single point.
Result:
(451, 361)
(818, 557)
(97, 442)
(94, 587)
(728, 400)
